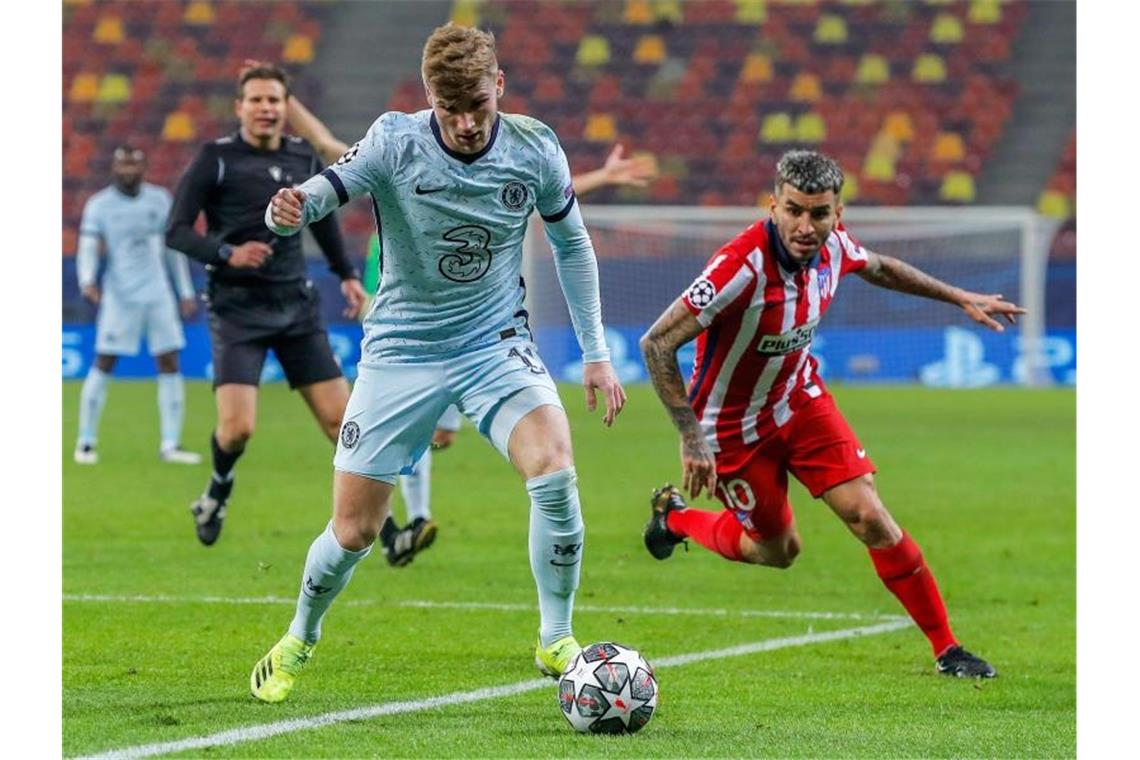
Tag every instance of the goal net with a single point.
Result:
(647, 256)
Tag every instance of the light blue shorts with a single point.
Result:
(394, 406)
(121, 325)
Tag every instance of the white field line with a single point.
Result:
(268, 730)
(503, 607)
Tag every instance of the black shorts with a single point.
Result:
(247, 321)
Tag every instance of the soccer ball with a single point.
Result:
(608, 688)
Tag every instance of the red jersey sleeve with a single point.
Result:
(727, 282)
(853, 256)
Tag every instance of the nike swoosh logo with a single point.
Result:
(861, 453)
(428, 190)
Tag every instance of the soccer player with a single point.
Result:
(756, 408)
(128, 218)
(402, 544)
(259, 298)
(453, 186)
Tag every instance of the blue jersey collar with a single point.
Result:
(467, 158)
(782, 256)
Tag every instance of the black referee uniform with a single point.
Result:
(273, 306)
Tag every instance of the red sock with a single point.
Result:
(716, 531)
(903, 570)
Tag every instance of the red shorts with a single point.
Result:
(816, 445)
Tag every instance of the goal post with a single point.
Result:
(647, 256)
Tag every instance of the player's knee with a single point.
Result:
(105, 363)
(167, 363)
(355, 534)
(234, 433)
(550, 458)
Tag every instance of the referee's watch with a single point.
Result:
(225, 250)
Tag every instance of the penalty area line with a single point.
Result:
(277, 728)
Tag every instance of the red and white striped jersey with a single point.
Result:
(760, 309)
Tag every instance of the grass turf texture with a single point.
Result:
(984, 481)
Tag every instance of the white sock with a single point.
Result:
(171, 406)
(556, 540)
(328, 569)
(91, 401)
(416, 489)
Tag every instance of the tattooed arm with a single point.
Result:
(673, 329)
(889, 272)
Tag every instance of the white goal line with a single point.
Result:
(499, 606)
(277, 728)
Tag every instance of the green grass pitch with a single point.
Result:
(160, 633)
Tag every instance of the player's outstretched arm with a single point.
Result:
(673, 329)
(617, 170)
(889, 272)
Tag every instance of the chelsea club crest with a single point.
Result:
(513, 195)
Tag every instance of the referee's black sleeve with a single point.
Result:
(328, 237)
(191, 196)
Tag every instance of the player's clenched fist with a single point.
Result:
(285, 208)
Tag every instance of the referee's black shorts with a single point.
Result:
(246, 321)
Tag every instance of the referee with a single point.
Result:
(258, 297)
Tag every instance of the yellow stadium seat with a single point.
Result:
(984, 12)
(879, 166)
(668, 10)
(957, 186)
(850, 187)
(650, 49)
(84, 88)
(109, 31)
(593, 51)
(751, 11)
(1054, 205)
(946, 29)
(638, 13)
(777, 128)
(898, 125)
(465, 13)
(757, 68)
(115, 88)
(810, 128)
(600, 127)
(947, 147)
(873, 69)
(805, 88)
(929, 68)
(199, 13)
(830, 29)
(179, 127)
(298, 49)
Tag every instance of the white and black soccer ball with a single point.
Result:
(608, 688)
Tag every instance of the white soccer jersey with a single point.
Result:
(451, 227)
(132, 229)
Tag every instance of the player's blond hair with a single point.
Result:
(456, 59)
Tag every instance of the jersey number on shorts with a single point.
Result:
(739, 494)
(529, 359)
(472, 258)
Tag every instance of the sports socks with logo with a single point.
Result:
(904, 572)
(92, 399)
(556, 540)
(717, 531)
(328, 568)
(416, 489)
(171, 403)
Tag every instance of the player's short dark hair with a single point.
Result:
(128, 152)
(262, 70)
(809, 172)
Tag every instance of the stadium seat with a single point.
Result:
(946, 29)
(593, 51)
(805, 88)
(465, 13)
(109, 31)
(777, 128)
(899, 126)
(929, 69)
(984, 12)
(84, 88)
(957, 187)
(638, 13)
(810, 128)
(948, 147)
(115, 88)
(1054, 204)
(650, 49)
(879, 166)
(298, 49)
(830, 29)
(199, 13)
(668, 10)
(757, 68)
(178, 127)
(751, 11)
(600, 127)
(872, 69)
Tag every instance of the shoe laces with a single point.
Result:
(294, 658)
